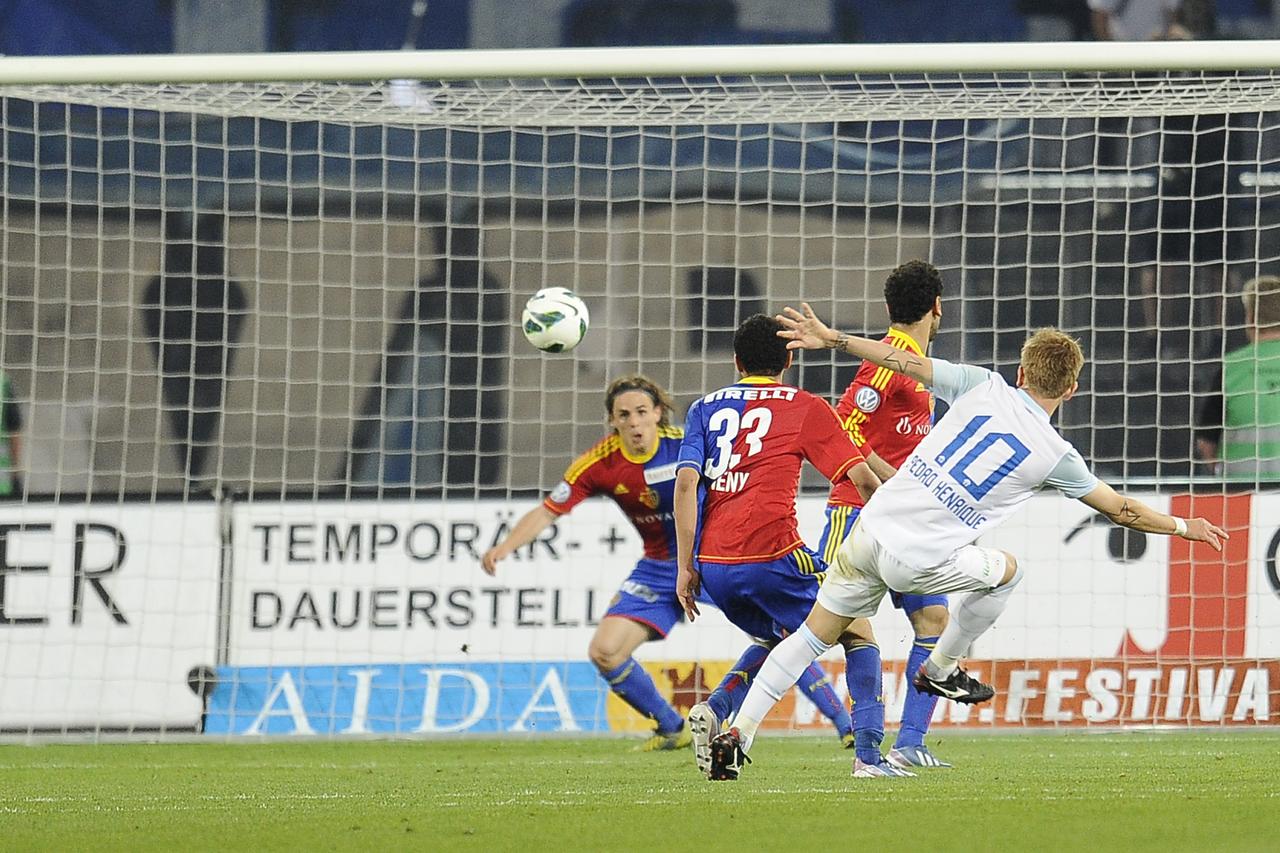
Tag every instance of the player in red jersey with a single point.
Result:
(887, 414)
(745, 444)
(635, 467)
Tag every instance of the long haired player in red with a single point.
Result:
(744, 445)
(634, 466)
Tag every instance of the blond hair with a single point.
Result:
(639, 382)
(1051, 362)
(1261, 298)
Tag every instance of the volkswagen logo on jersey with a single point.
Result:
(560, 493)
(867, 399)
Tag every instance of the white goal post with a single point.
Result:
(586, 63)
(260, 325)
(674, 72)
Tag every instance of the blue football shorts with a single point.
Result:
(648, 596)
(768, 599)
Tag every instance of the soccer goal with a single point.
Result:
(262, 339)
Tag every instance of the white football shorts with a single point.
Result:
(864, 571)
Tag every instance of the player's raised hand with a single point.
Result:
(688, 585)
(803, 330)
(1203, 530)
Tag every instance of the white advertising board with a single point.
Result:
(343, 583)
(104, 610)
(1263, 617)
(358, 616)
(346, 583)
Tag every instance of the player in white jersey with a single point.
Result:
(992, 451)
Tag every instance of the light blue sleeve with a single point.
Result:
(950, 381)
(1072, 476)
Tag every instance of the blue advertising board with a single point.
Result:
(401, 698)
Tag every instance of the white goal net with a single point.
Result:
(263, 361)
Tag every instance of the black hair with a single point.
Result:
(911, 290)
(759, 350)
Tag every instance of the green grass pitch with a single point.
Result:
(1094, 792)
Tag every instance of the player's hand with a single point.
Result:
(688, 585)
(489, 562)
(1203, 530)
(804, 330)
(864, 480)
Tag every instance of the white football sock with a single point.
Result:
(780, 671)
(977, 612)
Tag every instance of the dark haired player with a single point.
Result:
(744, 444)
(887, 414)
(635, 466)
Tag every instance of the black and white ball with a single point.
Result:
(555, 319)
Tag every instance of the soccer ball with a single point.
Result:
(555, 319)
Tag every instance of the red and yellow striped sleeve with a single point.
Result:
(579, 483)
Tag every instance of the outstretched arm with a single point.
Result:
(1134, 514)
(803, 330)
(688, 581)
(526, 530)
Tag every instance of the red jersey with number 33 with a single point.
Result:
(884, 412)
(748, 441)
